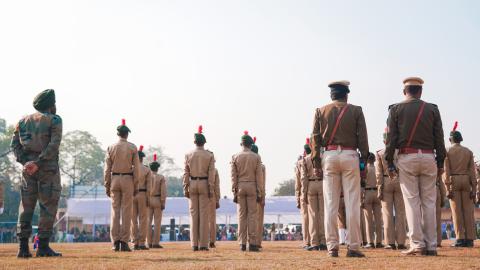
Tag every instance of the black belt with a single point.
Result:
(157, 195)
(199, 178)
(315, 179)
(458, 174)
(142, 190)
(371, 188)
(122, 174)
(386, 175)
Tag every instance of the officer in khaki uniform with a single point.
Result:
(340, 129)
(122, 167)
(198, 186)
(261, 204)
(312, 190)
(140, 208)
(214, 205)
(390, 194)
(415, 128)
(301, 203)
(372, 207)
(461, 183)
(35, 143)
(157, 196)
(441, 196)
(247, 177)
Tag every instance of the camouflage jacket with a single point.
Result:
(37, 138)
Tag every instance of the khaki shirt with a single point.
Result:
(381, 166)
(351, 132)
(37, 138)
(371, 180)
(246, 166)
(298, 180)
(459, 161)
(144, 178)
(121, 157)
(199, 163)
(263, 183)
(429, 132)
(158, 188)
(307, 173)
(217, 186)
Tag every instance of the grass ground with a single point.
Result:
(276, 255)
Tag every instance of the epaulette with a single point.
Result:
(56, 119)
(434, 105)
(392, 105)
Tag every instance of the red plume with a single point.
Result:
(141, 148)
(254, 139)
(308, 141)
(154, 157)
(455, 126)
(123, 122)
(200, 129)
(245, 132)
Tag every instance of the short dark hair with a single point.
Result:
(336, 95)
(122, 133)
(413, 89)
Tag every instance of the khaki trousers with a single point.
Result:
(363, 226)
(373, 217)
(155, 218)
(140, 219)
(462, 208)
(199, 208)
(305, 223)
(418, 176)
(438, 216)
(212, 220)
(394, 225)
(247, 213)
(261, 216)
(316, 212)
(122, 204)
(341, 171)
(342, 216)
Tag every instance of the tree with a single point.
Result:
(285, 188)
(82, 158)
(174, 186)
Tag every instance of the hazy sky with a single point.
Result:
(262, 66)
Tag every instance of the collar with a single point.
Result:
(122, 139)
(200, 148)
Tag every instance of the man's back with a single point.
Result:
(460, 160)
(199, 162)
(248, 166)
(122, 156)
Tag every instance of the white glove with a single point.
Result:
(1, 210)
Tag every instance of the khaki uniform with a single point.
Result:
(341, 167)
(372, 208)
(37, 138)
(261, 210)
(156, 204)
(392, 202)
(312, 190)
(140, 219)
(417, 168)
(460, 179)
(247, 177)
(441, 193)
(122, 167)
(303, 204)
(214, 200)
(199, 183)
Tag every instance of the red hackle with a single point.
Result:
(200, 129)
(141, 148)
(123, 122)
(154, 157)
(254, 139)
(308, 141)
(455, 126)
(245, 132)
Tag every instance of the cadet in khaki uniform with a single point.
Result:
(140, 208)
(312, 190)
(415, 128)
(441, 196)
(198, 186)
(340, 128)
(247, 177)
(390, 194)
(372, 207)
(261, 204)
(157, 197)
(461, 183)
(122, 167)
(35, 143)
(214, 205)
(301, 203)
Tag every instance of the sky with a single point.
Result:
(262, 66)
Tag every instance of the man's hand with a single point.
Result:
(107, 191)
(318, 173)
(392, 172)
(217, 205)
(440, 171)
(235, 199)
(30, 168)
(187, 194)
(259, 199)
(262, 202)
(298, 204)
(450, 195)
(472, 195)
(162, 207)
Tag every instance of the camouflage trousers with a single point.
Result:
(44, 187)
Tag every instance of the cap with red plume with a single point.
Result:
(140, 152)
(455, 126)
(154, 165)
(199, 138)
(456, 136)
(307, 147)
(246, 139)
(123, 129)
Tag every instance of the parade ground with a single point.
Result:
(276, 255)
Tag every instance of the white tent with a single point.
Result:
(97, 210)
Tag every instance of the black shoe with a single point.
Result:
(369, 245)
(116, 246)
(243, 247)
(260, 247)
(24, 250)
(431, 253)
(44, 249)
(322, 247)
(390, 246)
(195, 248)
(306, 247)
(136, 247)
(142, 247)
(401, 247)
(379, 245)
(212, 245)
(363, 244)
(459, 243)
(333, 253)
(313, 248)
(155, 246)
(253, 248)
(203, 249)
(355, 254)
(468, 243)
(124, 247)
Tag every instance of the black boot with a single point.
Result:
(116, 246)
(44, 249)
(459, 243)
(253, 248)
(212, 245)
(195, 248)
(468, 243)
(243, 247)
(124, 247)
(24, 250)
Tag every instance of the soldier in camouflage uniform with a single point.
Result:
(36, 143)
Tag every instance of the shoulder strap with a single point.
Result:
(414, 128)
(335, 128)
